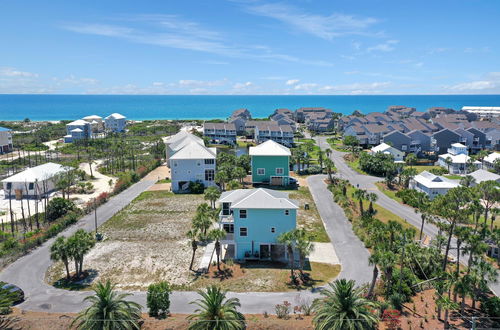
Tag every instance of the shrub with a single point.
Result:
(283, 310)
(58, 207)
(314, 169)
(439, 171)
(392, 318)
(491, 307)
(196, 187)
(158, 298)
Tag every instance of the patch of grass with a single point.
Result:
(244, 144)
(390, 193)
(309, 219)
(263, 277)
(354, 164)
(421, 168)
(164, 181)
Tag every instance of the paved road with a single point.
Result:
(29, 271)
(408, 213)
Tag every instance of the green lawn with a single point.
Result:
(355, 166)
(421, 168)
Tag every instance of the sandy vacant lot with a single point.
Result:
(145, 243)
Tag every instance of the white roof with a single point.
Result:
(194, 150)
(92, 117)
(430, 180)
(179, 144)
(269, 148)
(116, 116)
(492, 157)
(458, 159)
(382, 147)
(483, 175)
(458, 145)
(41, 172)
(181, 135)
(79, 122)
(77, 130)
(259, 198)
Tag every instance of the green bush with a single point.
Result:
(314, 169)
(158, 298)
(439, 171)
(491, 307)
(196, 187)
(59, 207)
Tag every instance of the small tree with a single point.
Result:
(288, 240)
(193, 242)
(58, 207)
(212, 194)
(158, 298)
(59, 251)
(217, 235)
(79, 244)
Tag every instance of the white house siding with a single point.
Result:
(116, 125)
(185, 170)
(5, 141)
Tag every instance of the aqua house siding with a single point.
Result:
(265, 167)
(259, 225)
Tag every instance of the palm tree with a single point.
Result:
(321, 157)
(360, 195)
(59, 251)
(372, 197)
(212, 194)
(410, 159)
(304, 245)
(328, 152)
(108, 310)
(217, 235)
(203, 219)
(215, 311)
(344, 307)
(467, 181)
(288, 240)
(481, 155)
(239, 173)
(193, 236)
(329, 168)
(373, 261)
(448, 161)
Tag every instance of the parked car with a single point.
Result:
(15, 290)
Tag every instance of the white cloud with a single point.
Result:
(488, 83)
(474, 86)
(387, 46)
(242, 85)
(292, 82)
(306, 86)
(357, 88)
(322, 26)
(12, 72)
(201, 83)
(73, 80)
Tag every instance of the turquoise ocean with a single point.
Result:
(142, 107)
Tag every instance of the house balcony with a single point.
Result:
(226, 218)
(229, 239)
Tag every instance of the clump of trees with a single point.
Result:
(58, 207)
(158, 298)
(297, 240)
(379, 164)
(231, 168)
(73, 248)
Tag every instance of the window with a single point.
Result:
(273, 230)
(287, 212)
(209, 161)
(279, 171)
(175, 163)
(243, 214)
(229, 228)
(31, 186)
(243, 231)
(209, 175)
(261, 171)
(9, 185)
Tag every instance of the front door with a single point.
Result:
(264, 252)
(277, 181)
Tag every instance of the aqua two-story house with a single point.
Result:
(270, 164)
(253, 220)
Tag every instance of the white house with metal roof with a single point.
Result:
(459, 160)
(388, 150)
(34, 181)
(253, 220)
(431, 184)
(189, 160)
(78, 130)
(489, 161)
(115, 123)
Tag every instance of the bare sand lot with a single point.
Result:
(144, 243)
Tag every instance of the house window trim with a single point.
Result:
(245, 212)
(261, 171)
(282, 171)
(287, 212)
(246, 231)
(273, 230)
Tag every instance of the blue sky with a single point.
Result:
(250, 47)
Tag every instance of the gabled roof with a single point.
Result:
(116, 116)
(270, 148)
(458, 145)
(77, 130)
(194, 150)
(259, 198)
(92, 117)
(40, 172)
(458, 159)
(492, 157)
(430, 180)
(79, 122)
(483, 175)
(382, 147)
(181, 135)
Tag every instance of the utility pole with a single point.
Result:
(402, 261)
